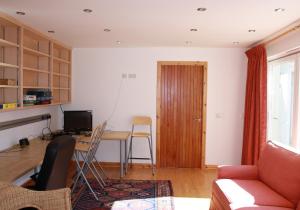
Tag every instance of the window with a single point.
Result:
(283, 91)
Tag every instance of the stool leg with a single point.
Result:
(131, 138)
(126, 157)
(151, 154)
(129, 156)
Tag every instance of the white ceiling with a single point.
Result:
(155, 23)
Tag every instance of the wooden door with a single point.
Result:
(180, 115)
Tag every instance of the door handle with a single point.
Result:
(197, 119)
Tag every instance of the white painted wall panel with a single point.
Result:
(97, 78)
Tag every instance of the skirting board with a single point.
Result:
(143, 165)
(214, 167)
(117, 165)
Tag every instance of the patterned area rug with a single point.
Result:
(126, 195)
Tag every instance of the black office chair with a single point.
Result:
(54, 169)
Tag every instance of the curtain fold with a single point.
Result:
(255, 119)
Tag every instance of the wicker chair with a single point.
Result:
(14, 197)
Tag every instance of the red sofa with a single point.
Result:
(273, 184)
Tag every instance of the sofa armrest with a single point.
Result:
(298, 206)
(238, 172)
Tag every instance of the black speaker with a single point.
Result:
(23, 142)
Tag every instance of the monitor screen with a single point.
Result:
(78, 121)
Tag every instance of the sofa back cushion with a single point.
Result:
(279, 168)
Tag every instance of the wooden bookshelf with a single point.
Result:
(34, 52)
(35, 62)
(35, 70)
(9, 86)
(5, 43)
(8, 65)
(29, 107)
(62, 75)
(9, 61)
(61, 60)
(61, 84)
(36, 87)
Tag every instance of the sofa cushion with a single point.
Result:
(248, 192)
(237, 172)
(279, 168)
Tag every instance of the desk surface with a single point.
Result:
(16, 163)
(115, 135)
(109, 136)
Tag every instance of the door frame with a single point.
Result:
(158, 101)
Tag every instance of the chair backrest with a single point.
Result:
(96, 138)
(141, 120)
(14, 197)
(54, 169)
(101, 130)
(279, 168)
(95, 135)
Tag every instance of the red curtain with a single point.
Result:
(255, 120)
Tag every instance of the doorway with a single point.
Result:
(181, 114)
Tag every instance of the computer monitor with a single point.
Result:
(78, 121)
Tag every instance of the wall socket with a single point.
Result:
(129, 76)
(124, 75)
(132, 76)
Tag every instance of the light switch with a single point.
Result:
(219, 115)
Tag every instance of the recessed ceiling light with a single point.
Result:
(20, 13)
(193, 29)
(236, 43)
(118, 42)
(88, 10)
(51, 31)
(201, 9)
(279, 10)
(251, 30)
(107, 30)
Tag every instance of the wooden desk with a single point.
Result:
(122, 137)
(14, 164)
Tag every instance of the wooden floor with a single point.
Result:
(192, 187)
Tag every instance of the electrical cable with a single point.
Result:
(116, 101)
(49, 125)
(47, 128)
(61, 108)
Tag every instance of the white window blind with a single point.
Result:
(283, 101)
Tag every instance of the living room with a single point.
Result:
(117, 55)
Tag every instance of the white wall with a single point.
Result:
(97, 78)
(11, 136)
